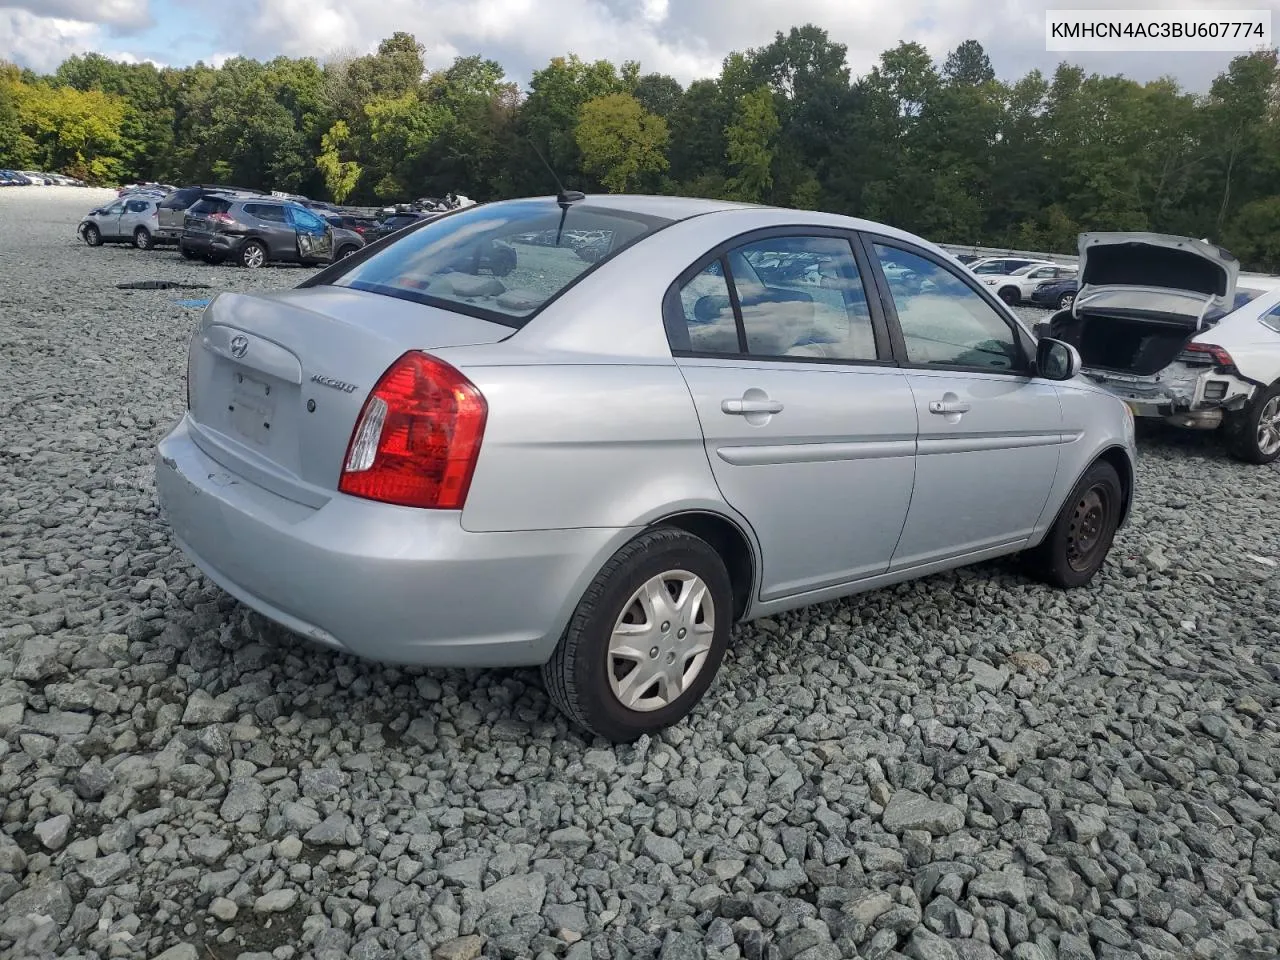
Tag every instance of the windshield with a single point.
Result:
(501, 261)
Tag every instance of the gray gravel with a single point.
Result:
(962, 768)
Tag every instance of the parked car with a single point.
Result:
(1056, 294)
(1160, 322)
(12, 178)
(477, 474)
(395, 222)
(1016, 287)
(1003, 266)
(361, 225)
(176, 203)
(130, 219)
(255, 231)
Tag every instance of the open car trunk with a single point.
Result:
(1142, 298)
(1123, 344)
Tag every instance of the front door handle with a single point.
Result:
(948, 406)
(744, 407)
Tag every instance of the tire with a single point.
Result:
(1010, 295)
(344, 252)
(1253, 434)
(211, 258)
(142, 239)
(1086, 525)
(92, 236)
(188, 253)
(1066, 300)
(582, 677)
(252, 255)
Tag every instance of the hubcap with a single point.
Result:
(1067, 301)
(1269, 427)
(1084, 535)
(253, 257)
(661, 641)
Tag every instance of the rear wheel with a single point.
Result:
(92, 236)
(1010, 295)
(647, 638)
(1066, 300)
(187, 253)
(252, 255)
(213, 258)
(142, 239)
(1078, 542)
(1253, 434)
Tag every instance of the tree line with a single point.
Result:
(943, 149)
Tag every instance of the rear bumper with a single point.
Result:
(386, 583)
(1178, 393)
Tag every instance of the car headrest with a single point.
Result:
(710, 308)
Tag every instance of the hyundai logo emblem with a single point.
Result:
(239, 346)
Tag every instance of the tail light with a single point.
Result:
(222, 218)
(418, 436)
(1206, 354)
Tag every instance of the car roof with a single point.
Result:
(670, 208)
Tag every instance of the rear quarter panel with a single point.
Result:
(585, 445)
(1253, 345)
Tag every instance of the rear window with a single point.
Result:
(180, 199)
(210, 205)
(502, 261)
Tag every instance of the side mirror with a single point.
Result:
(1056, 360)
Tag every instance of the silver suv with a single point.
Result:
(131, 219)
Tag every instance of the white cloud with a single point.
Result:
(121, 14)
(42, 43)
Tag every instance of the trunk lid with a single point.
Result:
(1158, 278)
(276, 381)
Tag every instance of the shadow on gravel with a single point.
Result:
(160, 285)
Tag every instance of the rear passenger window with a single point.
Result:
(266, 211)
(1272, 319)
(798, 297)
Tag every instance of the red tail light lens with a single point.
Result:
(418, 437)
(1206, 353)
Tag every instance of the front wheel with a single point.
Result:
(1253, 434)
(1078, 542)
(1066, 300)
(647, 638)
(92, 236)
(344, 252)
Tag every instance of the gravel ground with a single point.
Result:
(960, 768)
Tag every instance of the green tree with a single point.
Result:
(750, 141)
(340, 176)
(621, 142)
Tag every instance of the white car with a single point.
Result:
(1160, 322)
(1003, 266)
(1016, 287)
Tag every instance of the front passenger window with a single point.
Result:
(944, 321)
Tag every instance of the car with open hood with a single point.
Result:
(1163, 323)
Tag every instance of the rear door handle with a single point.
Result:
(743, 407)
(948, 406)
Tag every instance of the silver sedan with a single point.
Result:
(599, 457)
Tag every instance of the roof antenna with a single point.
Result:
(565, 198)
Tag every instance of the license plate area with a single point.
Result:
(251, 408)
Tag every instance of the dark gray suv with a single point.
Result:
(253, 231)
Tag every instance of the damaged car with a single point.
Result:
(1159, 321)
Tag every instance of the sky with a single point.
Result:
(685, 38)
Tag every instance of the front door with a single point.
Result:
(809, 426)
(990, 432)
(109, 222)
(314, 236)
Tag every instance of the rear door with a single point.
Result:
(273, 228)
(990, 432)
(808, 424)
(137, 213)
(314, 236)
